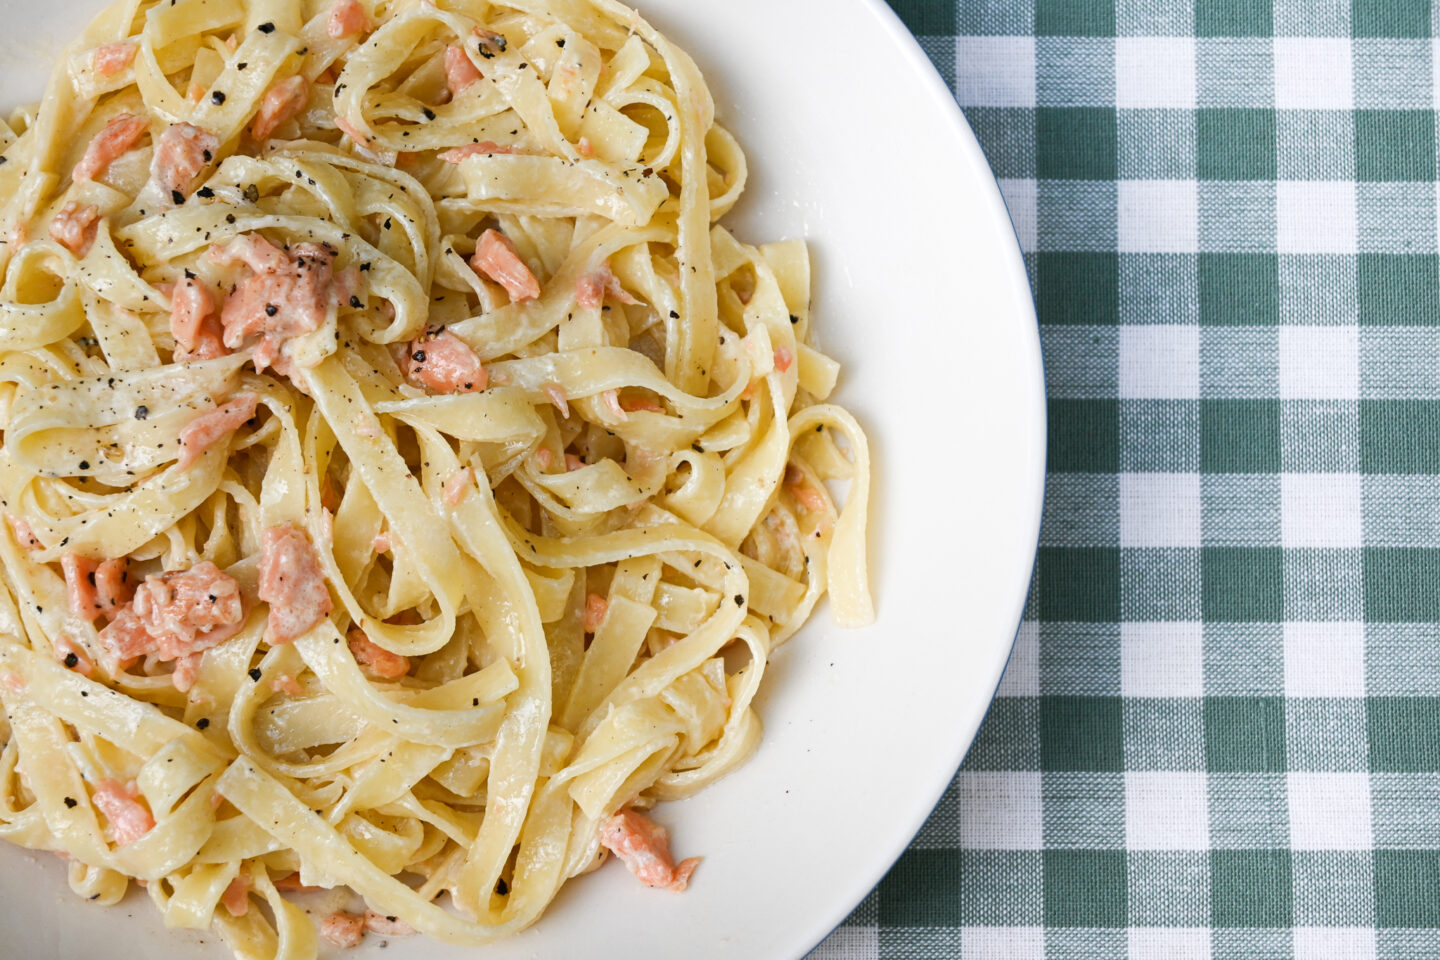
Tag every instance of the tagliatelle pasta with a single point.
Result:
(405, 477)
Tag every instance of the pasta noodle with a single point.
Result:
(406, 477)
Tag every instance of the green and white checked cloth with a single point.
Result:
(1219, 734)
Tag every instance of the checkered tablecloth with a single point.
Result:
(1219, 734)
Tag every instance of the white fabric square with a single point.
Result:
(1319, 363)
(1315, 216)
(995, 71)
(1159, 362)
(1313, 73)
(1335, 943)
(1325, 659)
(1162, 659)
(1022, 674)
(1001, 811)
(1002, 943)
(1166, 810)
(1158, 216)
(1321, 510)
(849, 943)
(1020, 199)
(1169, 943)
(1155, 72)
(1160, 510)
(1329, 811)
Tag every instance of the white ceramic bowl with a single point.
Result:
(855, 144)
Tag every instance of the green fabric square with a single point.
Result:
(1077, 215)
(1318, 289)
(1235, 72)
(1008, 136)
(1239, 362)
(991, 19)
(1079, 583)
(1338, 421)
(1156, 144)
(1075, 18)
(1240, 509)
(1315, 144)
(1397, 289)
(1164, 733)
(923, 889)
(1081, 510)
(1244, 659)
(926, 17)
(1326, 733)
(1085, 888)
(1160, 436)
(1334, 888)
(1239, 289)
(1404, 733)
(1242, 583)
(1002, 888)
(1407, 888)
(1390, 18)
(1234, 18)
(1235, 144)
(1245, 734)
(1250, 888)
(1402, 584)
(1405, 809)
(1080, 658)
(1400, 436)
(1084, 811)
(1395, 144)
(1169, 888)
(1252, 943)
(1400, 658)
(1074, 72)
(1077, 288)
(1160, 583)
(1075, 143)
(1248, 811)
(1396, 217)
(1084, 436)
(1081, 362)
(1403, 943)
(1083, 943)
(1082, 733)
(1237, 216)
(1239, 436)
(1158, 289)
(1009, 739)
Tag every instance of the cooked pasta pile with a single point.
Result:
(405, 476)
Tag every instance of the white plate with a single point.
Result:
(855, 144)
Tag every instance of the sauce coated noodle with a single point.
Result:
(405, 476)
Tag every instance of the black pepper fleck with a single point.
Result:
(255, 674)
(141, 412)
(202, 723)
(72, 803)
(271, 309)
(72, 661)
(266, 27)
(177, 196)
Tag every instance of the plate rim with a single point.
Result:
(929, 79)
